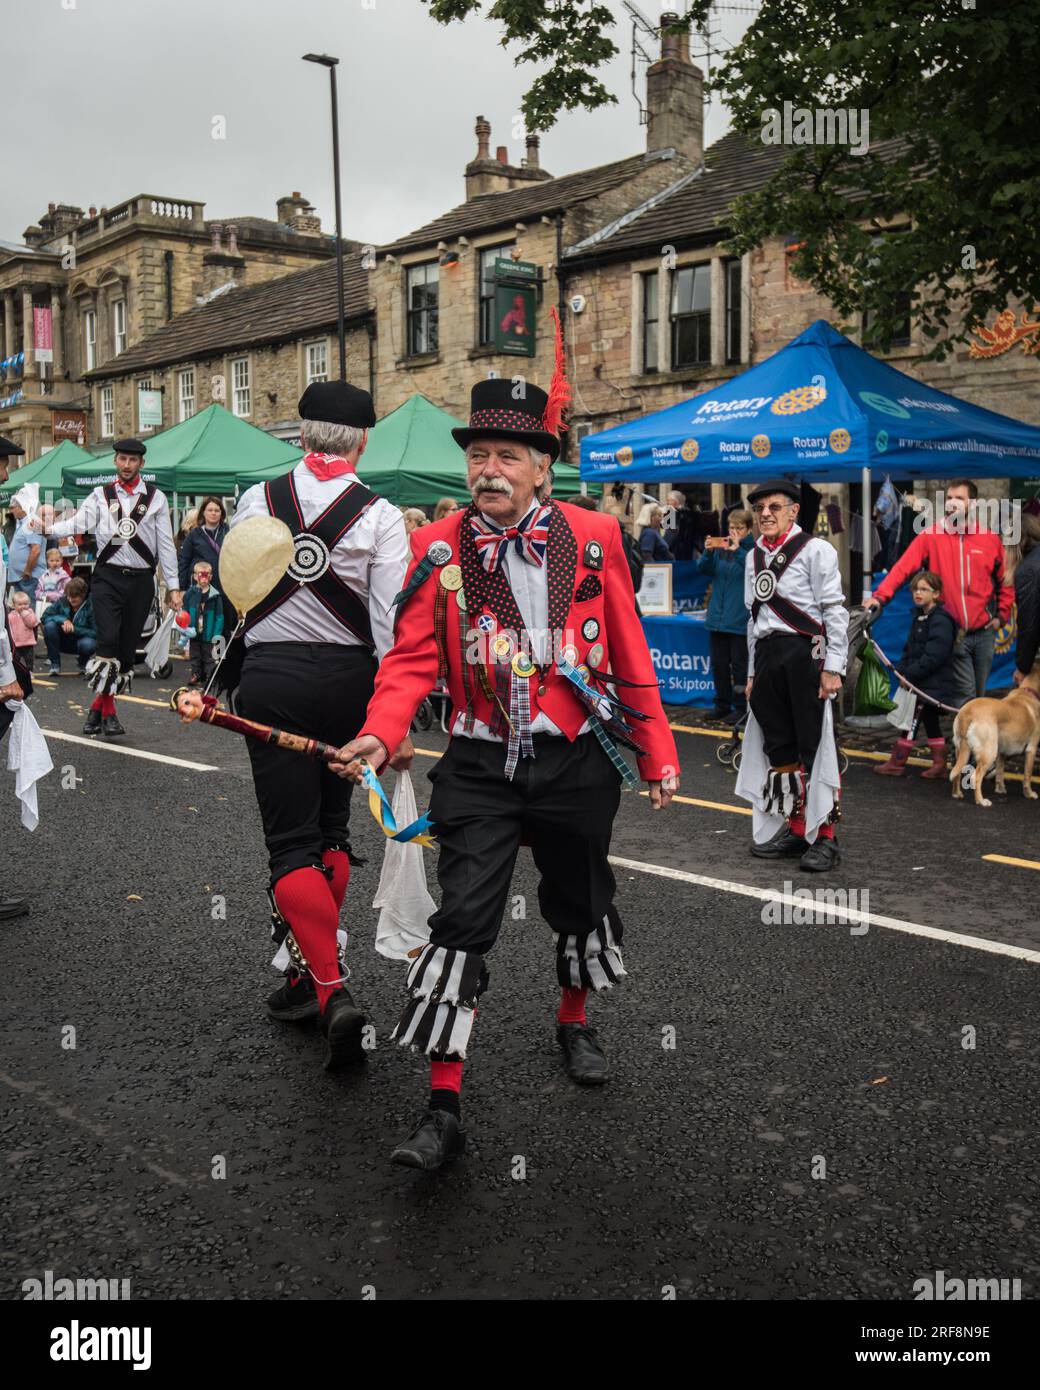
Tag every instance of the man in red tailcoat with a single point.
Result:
(526, 607)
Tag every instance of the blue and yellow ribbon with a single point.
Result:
(381, 810)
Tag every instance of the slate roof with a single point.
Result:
(697, 207)
(275, 311)
(528, 201)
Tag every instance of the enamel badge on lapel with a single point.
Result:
(485, 622)
(438, 553)
(451, 577)
(590, 629)
(595, 656)
(593, 557)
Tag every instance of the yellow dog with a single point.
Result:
(992, 729)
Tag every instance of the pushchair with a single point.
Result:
(436, 706)
(154, 618)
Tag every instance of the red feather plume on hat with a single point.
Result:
(559, 390)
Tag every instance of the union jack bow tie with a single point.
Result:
(529, 536)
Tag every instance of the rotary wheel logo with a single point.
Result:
(1007, 634)
(624, 456)
(840, 440)
(689, 451)
(760, 445)
(800, 398)
(127, 529)
(311, 558)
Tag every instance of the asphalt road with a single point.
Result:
(818, 1130)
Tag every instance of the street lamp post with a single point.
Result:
(326, 62)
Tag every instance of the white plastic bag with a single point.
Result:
(402, 896)
(903, 714)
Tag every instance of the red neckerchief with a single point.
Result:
(130, 488)
(326, 466)
(774, 543)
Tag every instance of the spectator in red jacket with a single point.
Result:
(970, 563)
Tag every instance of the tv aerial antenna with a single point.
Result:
(645, 41)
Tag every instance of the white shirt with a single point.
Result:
(530, 586)
(371, 558)
(812, 582)
(153, 528)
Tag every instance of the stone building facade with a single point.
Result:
(112, 278)
(252, 350)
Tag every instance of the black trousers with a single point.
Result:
(785, 699)
(321, 690)
(562, 802)
(122, 599)
(927, 715)
(201, 659)
(729, 668)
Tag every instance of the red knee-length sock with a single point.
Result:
(337, 861)
(446, 1086)
(306, 901)
(104, 704)
(572, 1005)
(797, 824)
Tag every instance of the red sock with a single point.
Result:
(572, 1005)
(446, 1076)
(337, 861)
(99, 703)
(797, 824)
(108, 704)
(826, 831)
(305, 900)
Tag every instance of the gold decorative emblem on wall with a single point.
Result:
(1005, 333)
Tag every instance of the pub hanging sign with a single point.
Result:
(516, 293)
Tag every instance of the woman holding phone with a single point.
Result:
(724, 559)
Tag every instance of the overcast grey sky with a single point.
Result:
(117, 97)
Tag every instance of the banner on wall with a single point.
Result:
(43, 339)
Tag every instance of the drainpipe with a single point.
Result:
(168, 257)
(561, 293)
(370, 328)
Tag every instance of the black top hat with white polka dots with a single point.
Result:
(503, 408)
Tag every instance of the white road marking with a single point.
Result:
(130, 752)
(849, 914)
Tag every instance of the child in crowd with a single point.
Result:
(206, 611)
(23, 622)
(927, 663)
(68, 626)
(725, 559)
(51, 586)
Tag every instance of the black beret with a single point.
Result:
(782, 485)
(128, 446)
(339, 403)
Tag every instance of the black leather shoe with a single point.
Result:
(586, 1062)
(785, 844)
(13, 907)
(820, 857)
(111, 727)
(437, 1137)
(341, 1026)
(93, 722)
(296, 1001)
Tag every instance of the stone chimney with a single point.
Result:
(59, 219)
(675, 97)
(308, 223)
(290, 207)
(493, 173)
(221, 265)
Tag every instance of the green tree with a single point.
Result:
(949, 88)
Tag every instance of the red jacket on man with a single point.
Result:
(971, 568)
(590, 604)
